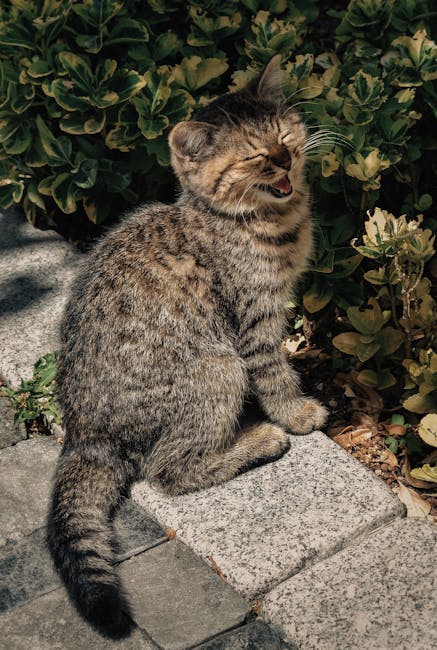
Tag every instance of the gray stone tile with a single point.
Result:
(268, 524)
(135, 530)
(377, 594)
(177, 599)
(254, 636)
(36, 268)
(10, 433)
(51, 623)
(26, 471)
(26, 568)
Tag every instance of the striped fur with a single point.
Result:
(175, 318)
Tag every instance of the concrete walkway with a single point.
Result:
(311, 552)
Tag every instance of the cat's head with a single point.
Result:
(243, 151)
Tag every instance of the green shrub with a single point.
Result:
(35, 399)
(89, 90)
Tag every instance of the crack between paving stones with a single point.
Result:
(137, 551)
(309, 564)
(249, 619)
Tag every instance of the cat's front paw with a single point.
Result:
(306, 415)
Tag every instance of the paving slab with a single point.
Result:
(10, 433)
(378, 594)
(268, 524)
(51, 623)
(135, 530)
(26, 568)
(36, 269)
(177, 599)
(254, 636)
(26, 472)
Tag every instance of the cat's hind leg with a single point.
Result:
(253, 446)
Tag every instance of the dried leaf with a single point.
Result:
(216, 568)
(170, 534)
(428, 429)
(351, 438)
(292, 344)
(388, 458)
(416, 506)
(411, 480)
(396, 430)
(257, 607)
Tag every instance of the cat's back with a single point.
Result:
(141, 281)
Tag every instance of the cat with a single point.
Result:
(176, 317)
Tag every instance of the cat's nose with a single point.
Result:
(280, 156)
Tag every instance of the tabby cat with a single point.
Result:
(176, 317)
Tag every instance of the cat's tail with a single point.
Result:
(85, 496)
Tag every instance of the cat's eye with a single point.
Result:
(257, 155)
(284, 136)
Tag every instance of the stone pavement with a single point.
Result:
(311, 552)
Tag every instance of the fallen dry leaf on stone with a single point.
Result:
(257, 607)
(216, 568)
(416, 506)
(170, 534)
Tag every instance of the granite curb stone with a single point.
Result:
(376, 594)
(50, 622)
(36, 269)
(270, 523)
(26, 472)
(177, 599)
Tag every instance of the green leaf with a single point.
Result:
(368, 319)
(193, 72)
(97, 211)
(166, 45)
(63, 193)
(425, 473)
(392, 444)
(389, 339)
(347, 342)
(83, 123)
(420, 403)
(10, 192)
(317, 297)
(365, 351)
(127, 30)
(58, 150)
(368, 378)
(19, 141)
(424, 202)
(39, 68)
(85, 176)
(78, 69)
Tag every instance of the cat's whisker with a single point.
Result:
(327, 134)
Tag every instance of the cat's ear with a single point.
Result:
(269, 87)
(191, 139)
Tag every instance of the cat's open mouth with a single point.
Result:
(280, 189)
